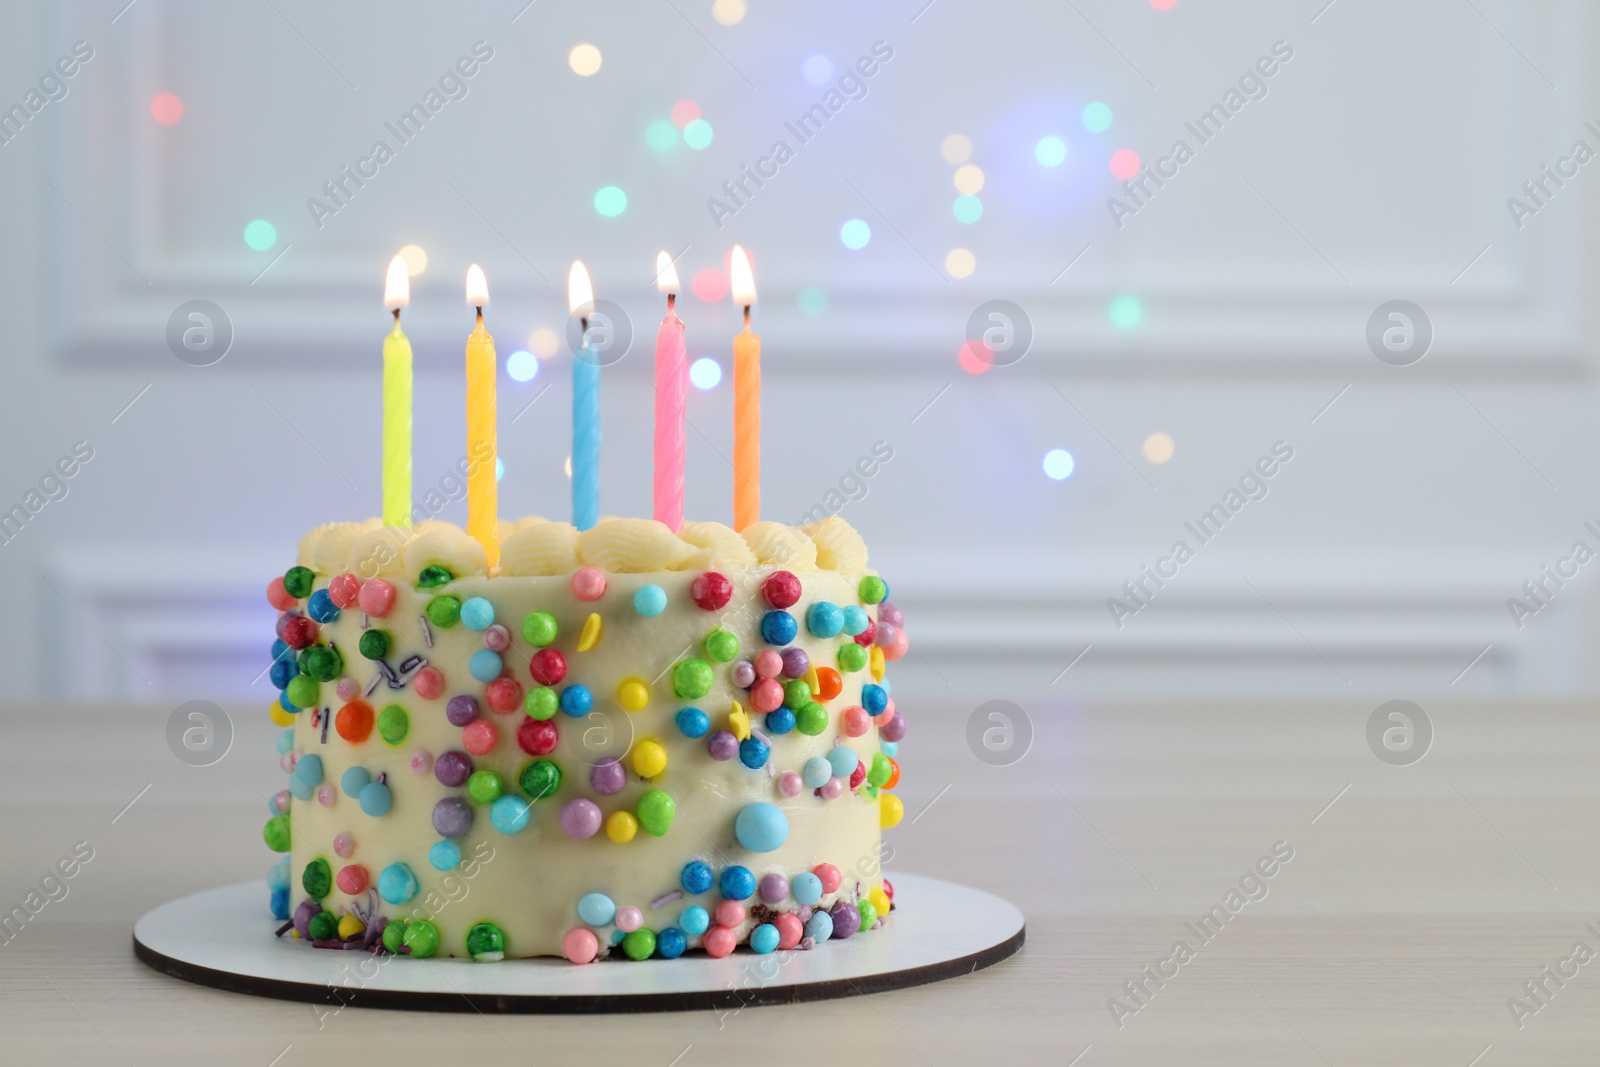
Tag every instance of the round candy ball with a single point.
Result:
(422, 938)
(830, 876)
(477, 614)
(774, 887)
(596, 909)
(588, 583)
(695, 920)
(394, 933)
(640, 944)
(781, 589)
(719, 942)
(795, 662)
(452, 817)
(819, 927)
(576, 701)
(855, 620)
(761, 827)
(764, 939)
(780, 721)
(548, 666)
(753, 752)
(730, 913)
(737, 883)
(486, 943)
(539, 628)
(744, 674)
(343, 845)
(452, 768)
(324, 926)
(649, 759)
(846, 918)
(852, 658)
(696, 878)
(444, 611)
(279, 597)
(891, 809)
(429, 683)
(607, 777)
(878, 775)
(374, 644)
(894, 729)
(539, 778)
(298, 581)
(711, 591)
(722, 745)
(485, 787)
(692, 722)
(479, 738)
(796, 693)
(790, 929)
(396, 884)
(789, 784)
(824, 619)
(778, 628)
(629, 918)
(308, 769)
(541, 702)
(867, 913)
(302, 691)
(504, 694)
(343, 590)
(510, 814)
(444, 855)
(656, 812)
(461, 710)
(580, 945)
(854, 721)
(497, 637)
(766, 695)
(376, 597)
(537, 737)
(833, 789)
(891, 614)
(650, 600)
(376, 799)
(807, 888)
(812, 719)
(354, 780)
(581, 818)
(874, 698)
(671, 943)
(768, 663)
(352, 879)
(485, 665)
(721, 646)
(692, 679)
(843, 760)
(816, 772)
(354, 721)
(633, 694)
(321, 606)
(284, 669)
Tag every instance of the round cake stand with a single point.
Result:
(223, 938)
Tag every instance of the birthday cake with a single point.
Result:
(625, 742)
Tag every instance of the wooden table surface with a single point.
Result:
(1418, 901)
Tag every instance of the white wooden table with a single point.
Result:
(1417, 902)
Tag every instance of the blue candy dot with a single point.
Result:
(778, 627)
(890, 748)
(283, 672)
(738, 883)
(763, 939)
(816, 772)
(280, 648)
(855, 620)
(596, 909)
(649, 600)
(283, 702)
(477, 613)
(696, 877)
(843, 760)
(444, 855)
(278, 875)
(874, 699)
(280, 902)
(485, 665)
(397, 884)
(806, 887)
(694, 722)
(695, 921)
(509, 814)
(286, 740)
(761, 827)
(376, 799)
(308, 769)
(354, 781)
(576, 700)
(819, 927)
(753, 753)
(824, 619)
(671, 943)
(300, 789)
(780, 720)
(321, 607)
(617, 936)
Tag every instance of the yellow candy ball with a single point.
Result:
(621, 826)
(633, 694)
(890, 810)
(279, 716)
(649, 759)
(350, 926)
(880, 899)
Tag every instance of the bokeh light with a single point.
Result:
(499, 468)
(855, 234)
(522, 366)
(544, 342)
(975, 357)
(811, 302)
(415, 259)
(1050, 151)
(661, 136)
(1158, 448)
(728, 12)
(1124, 163)
(166, 109)
(967, 209)
(610, 201)
(705, 373)
(960, 263)
(818, 69)
(1096, 117)
(684, 112)
(1058, 464)
(1163, 5)
(969, 179)
(584, 59)
(1125, 312)
(567, 466)
(260, 235)
(697, 134)
(957, 148)
(710, 285)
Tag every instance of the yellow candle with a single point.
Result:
(397, 402)
(746, 401)
(483, 504)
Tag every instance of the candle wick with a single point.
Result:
(397, 316)
(584, 323)
(747, 314)
(672, 299)
(480, 315)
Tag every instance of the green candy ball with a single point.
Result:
(276, 833)
(303, 691)
(317, 878)
(656, 812)
(872, 590)
(539, 628)
(640, 944)
(692, 679)
(422, 938)
(880, 769)
(796, 694)
(444, 611)
(394, 935)
(434, 576)
(322, 663)
(374, 644)
(721, 646)
(486, 943)
(485, 787)
(539, 779)
(394, 724)
(324, 926)
(297, 581)
(852, 657)
(541, 702)
(869, 914)
(811, 719)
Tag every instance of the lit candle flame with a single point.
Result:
(744, 282)
(397, 285)
(580, 294)
(666, 274)
(477, 286)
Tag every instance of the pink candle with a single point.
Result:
(671, 386)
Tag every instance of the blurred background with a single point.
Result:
(1086, 271)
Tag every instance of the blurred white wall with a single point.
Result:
(1375, 163)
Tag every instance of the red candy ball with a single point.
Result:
(504, 694)
(766, 695)
(479, 737)
(790, 929)
(343, 590)
(719, 942)
(429, 683)
(352, 879)
(376, 598)
(829, 876)
(888, 890)
(711, 591)
(537, 737)
(279, 597)
(548, 666)
(299, 632)
(781, 589)
(854, 721)
(865, 637)
(858, 775)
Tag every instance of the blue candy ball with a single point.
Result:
(693, 722)
(738, 883)
(885, 686)
(376, 799)
(761, 827)
(576, 700)
(617, 936)
(763, 939)
(824, 619)
(874, 699)
(485, 665)
(278, 874)
(670, 943)
(753, 753)
(890, 748)
(596, 909)
(354, 781)
(444, 855)
(855, 620)
(696, 877)
(285, 740)
(778, 627)
(510, 814)
(650, 600)
(780, 720)
(280, 648)
(300, 789)
(321, 607)
(283, 702)
(694, 921)
(843, 760)
(478, 614)
(396, 884)
(806, 887)
(819, 927)
(283, 672)
(816, 772)
(280, 902)
(308, 769)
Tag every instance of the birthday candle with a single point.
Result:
(585, 406)
(746, 401)
(671, 376)
(396, 402)
(483, 504)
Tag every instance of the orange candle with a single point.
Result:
(746, 401)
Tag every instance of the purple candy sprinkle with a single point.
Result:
(461, 710)
(607, 776)
(722, 745)
(452, 817)
(427, 631)
(795, 662)
(666, 898)
(452, 768)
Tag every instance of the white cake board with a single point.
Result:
(224, 938)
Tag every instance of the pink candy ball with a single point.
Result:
(790, 784)
(497, 638)
(829, 876)
(730, 913)
(766, 695)
(790, 929)
(588, 583)
(580, 819)
(352, 879)
(769, 663)
(832, 789)
(744, 674)
(479, 737)
(901, 645)
(281, 799)
(325, 795)
(854, 721)
(718, 942)
(629, 918)
(286, 762)
(343, 844)
(279, 597)
(376, 598)
(421, 761)
(580, 945)
(344, 590)
(429, 683)
(348, 689)
(887, 635)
